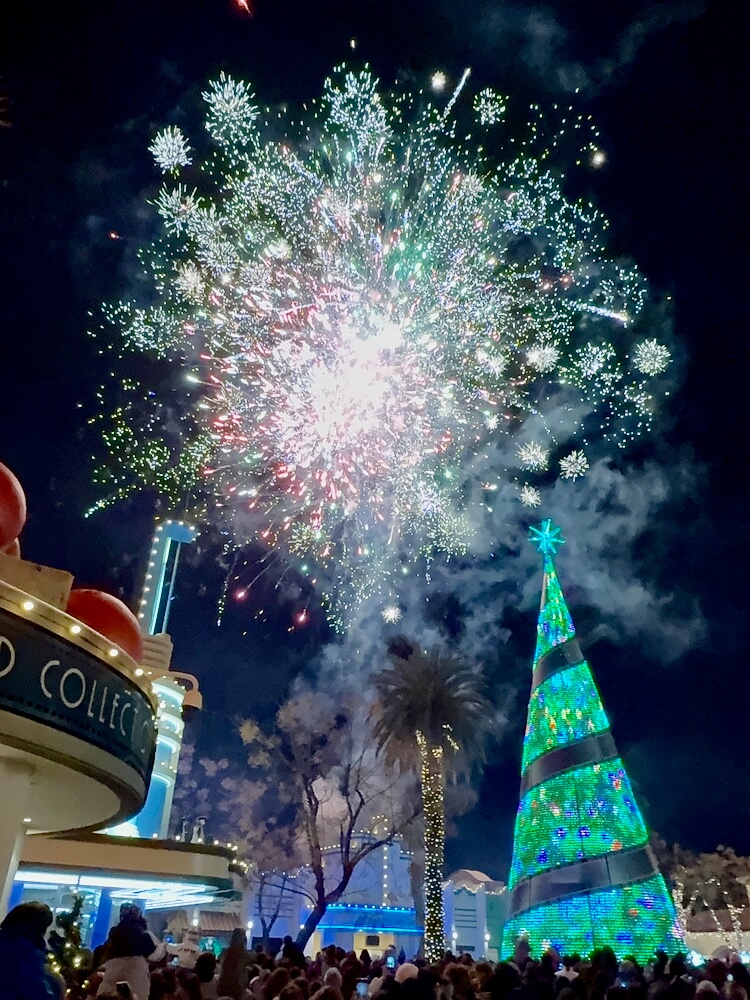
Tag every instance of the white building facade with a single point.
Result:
(474, 907)
(377, 910)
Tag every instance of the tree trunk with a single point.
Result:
(434, 847)
(324, 899)
(307, 931)
(265, 936)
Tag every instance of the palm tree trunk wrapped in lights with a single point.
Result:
(433, 799)
(426, 700)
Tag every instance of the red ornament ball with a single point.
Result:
(12, 549)
(108, 616)
(12, 507)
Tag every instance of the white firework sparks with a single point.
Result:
(345, 297)
(594, 358)
(189, 281)
(495, 365)
(429, 500)
(171, 150)
(279, 248)
(543, 357)
(530, 496)
(574, 465)
(533, 456)
(176, 207)
(489, 106)
(391, 614)
(598, 158)
(651, 357)
(471, 184)
(232, 111)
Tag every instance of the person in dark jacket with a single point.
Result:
(22, 954)
(129, 947)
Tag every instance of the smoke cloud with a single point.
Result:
(536, 40)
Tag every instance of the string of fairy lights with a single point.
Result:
(360, 301)
(432, 785)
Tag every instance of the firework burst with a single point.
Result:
(359, 308)
(530, 496)
(574, 465)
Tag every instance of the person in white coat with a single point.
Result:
(187, 951)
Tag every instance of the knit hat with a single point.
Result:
(706, 987)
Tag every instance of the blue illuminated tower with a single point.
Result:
(158, 592)
(161, 573)
(583, 875)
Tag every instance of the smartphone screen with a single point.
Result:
(391, 962)
(362, 988)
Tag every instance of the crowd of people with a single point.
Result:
(134, 965)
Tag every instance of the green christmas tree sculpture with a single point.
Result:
(582, 875)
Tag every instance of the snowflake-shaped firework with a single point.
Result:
(651, 357)
(530, 496)
(391, 614)
(543, 357)
(356, 322)
(489, 106)
(534, 457)
(171, 150)
(574, 465)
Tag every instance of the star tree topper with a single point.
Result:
(547, 537)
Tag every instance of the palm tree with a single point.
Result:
(430, 703)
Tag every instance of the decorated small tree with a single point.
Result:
(67, 957)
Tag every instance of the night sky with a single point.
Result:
(88, 85)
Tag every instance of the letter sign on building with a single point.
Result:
(65, 686)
